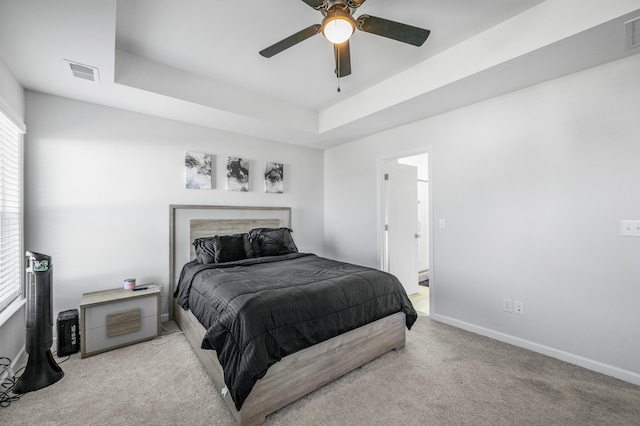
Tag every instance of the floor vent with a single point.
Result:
(632, 33)
(84, 71)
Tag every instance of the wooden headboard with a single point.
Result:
(188, 222)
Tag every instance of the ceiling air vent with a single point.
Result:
(84, 71)
(632, 33)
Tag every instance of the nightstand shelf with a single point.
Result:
(111, 319)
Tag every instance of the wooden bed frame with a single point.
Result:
(297, 374)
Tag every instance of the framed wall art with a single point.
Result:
(237, 174)
(198, 170)
(273, 177)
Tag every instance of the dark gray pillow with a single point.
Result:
(223, 248)
(272, 241)
(229, 248)
(205, 250)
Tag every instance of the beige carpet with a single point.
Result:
(444, 376)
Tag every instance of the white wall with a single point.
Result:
(532, 185)
(12, 321)
(100, 181)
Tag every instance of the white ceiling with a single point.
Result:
(211, 39)
(197, 60)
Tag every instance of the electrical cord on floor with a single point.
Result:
(7, 396)
(64, 360)
(166, 336)
(7, 384)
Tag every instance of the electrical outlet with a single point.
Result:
(630, 228)
(443, 224)
(507, 304)
(518, 307)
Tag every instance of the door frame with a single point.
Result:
(382, 200)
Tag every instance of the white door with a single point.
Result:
(423, 228)
(402, 223)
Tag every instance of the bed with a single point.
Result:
(275, 353)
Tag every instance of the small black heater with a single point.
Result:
(68, 332)
(42, 370)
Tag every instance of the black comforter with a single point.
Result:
(257, 311)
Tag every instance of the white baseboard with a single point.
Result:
(589, 364)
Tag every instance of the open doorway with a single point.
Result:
(410, 249)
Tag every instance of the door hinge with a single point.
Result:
(386, 176)
(386, 227)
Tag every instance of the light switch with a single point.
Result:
(630, 228)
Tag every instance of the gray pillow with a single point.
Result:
(223, 248)
(229, 248)
(205, 251)
(272, 241)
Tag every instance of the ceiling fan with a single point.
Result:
(338, 26)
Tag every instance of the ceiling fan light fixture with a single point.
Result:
(338, 26)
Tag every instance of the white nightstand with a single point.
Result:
(115, 318)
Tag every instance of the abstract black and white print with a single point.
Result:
(198, 170)
(237, 174)
(273, 177)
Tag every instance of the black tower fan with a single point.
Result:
(42, 370)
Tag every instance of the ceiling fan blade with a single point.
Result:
(316, 4)
(343, 59)
(355, 3)
(391, 29)
(292, 40)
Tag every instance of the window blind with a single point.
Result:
(11, 253)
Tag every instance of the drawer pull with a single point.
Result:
(123, 322)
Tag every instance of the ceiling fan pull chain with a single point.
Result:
(337, 51)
